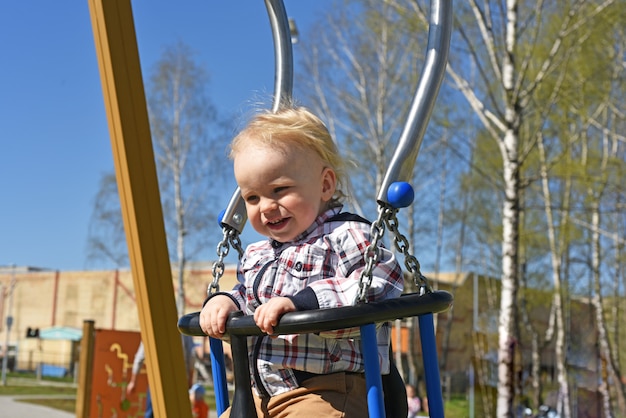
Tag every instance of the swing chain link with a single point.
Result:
(372, 254)
(411, 263)
(230, 238)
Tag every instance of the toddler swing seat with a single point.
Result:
(386, 395)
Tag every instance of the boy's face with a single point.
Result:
(284, 189)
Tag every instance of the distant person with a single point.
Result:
(413, 401)
(199, 408)
(140, 358)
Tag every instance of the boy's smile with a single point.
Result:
(285, 188)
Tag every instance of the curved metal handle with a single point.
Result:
(283, 53)
(403, 160)
(235, 214)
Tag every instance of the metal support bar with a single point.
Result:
(235, 214)
(243, 404)
(283, 53)
(373, 381)
(220, 387)
(431, 366)
(403, 160)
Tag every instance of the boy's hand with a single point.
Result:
(267, 315)
(214, 315)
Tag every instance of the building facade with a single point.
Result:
(41, 303)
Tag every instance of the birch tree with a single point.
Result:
(610, 169)
(586, 162)
(186, 138)
(187, 153)
(556, 254)
(517, 48)
(520, 52)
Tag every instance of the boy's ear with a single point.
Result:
(329, 184)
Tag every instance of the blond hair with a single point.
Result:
(294, 126)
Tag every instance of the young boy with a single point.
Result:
(199, 408)
(290, 176)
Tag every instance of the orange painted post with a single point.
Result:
(122, 85)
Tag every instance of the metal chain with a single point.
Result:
(410, 262)
(372, 254)
(230, 236)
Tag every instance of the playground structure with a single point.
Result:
(143, 219)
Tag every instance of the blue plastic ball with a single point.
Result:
(220, 217)
(400, 194)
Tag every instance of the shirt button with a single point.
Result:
(298, 266)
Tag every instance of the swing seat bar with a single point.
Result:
(320, 320)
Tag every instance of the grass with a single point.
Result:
(58, 393)
(41, 389)
(67, 405)
(457, 408)
(28, 384)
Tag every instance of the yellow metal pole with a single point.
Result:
(122, 85)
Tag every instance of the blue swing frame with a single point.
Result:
(365, 316)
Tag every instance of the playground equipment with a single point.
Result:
(395, 193)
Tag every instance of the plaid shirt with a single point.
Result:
(326, 260)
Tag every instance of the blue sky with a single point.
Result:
(53, 130)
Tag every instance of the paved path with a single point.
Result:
(10, 407)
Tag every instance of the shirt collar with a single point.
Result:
(315, 226)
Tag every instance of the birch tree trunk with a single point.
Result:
(180, 242)
(607, 357)
(510, 225)
(555, 257)
(508, 295)
(600, 323)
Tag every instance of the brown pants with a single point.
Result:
(337, 395)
